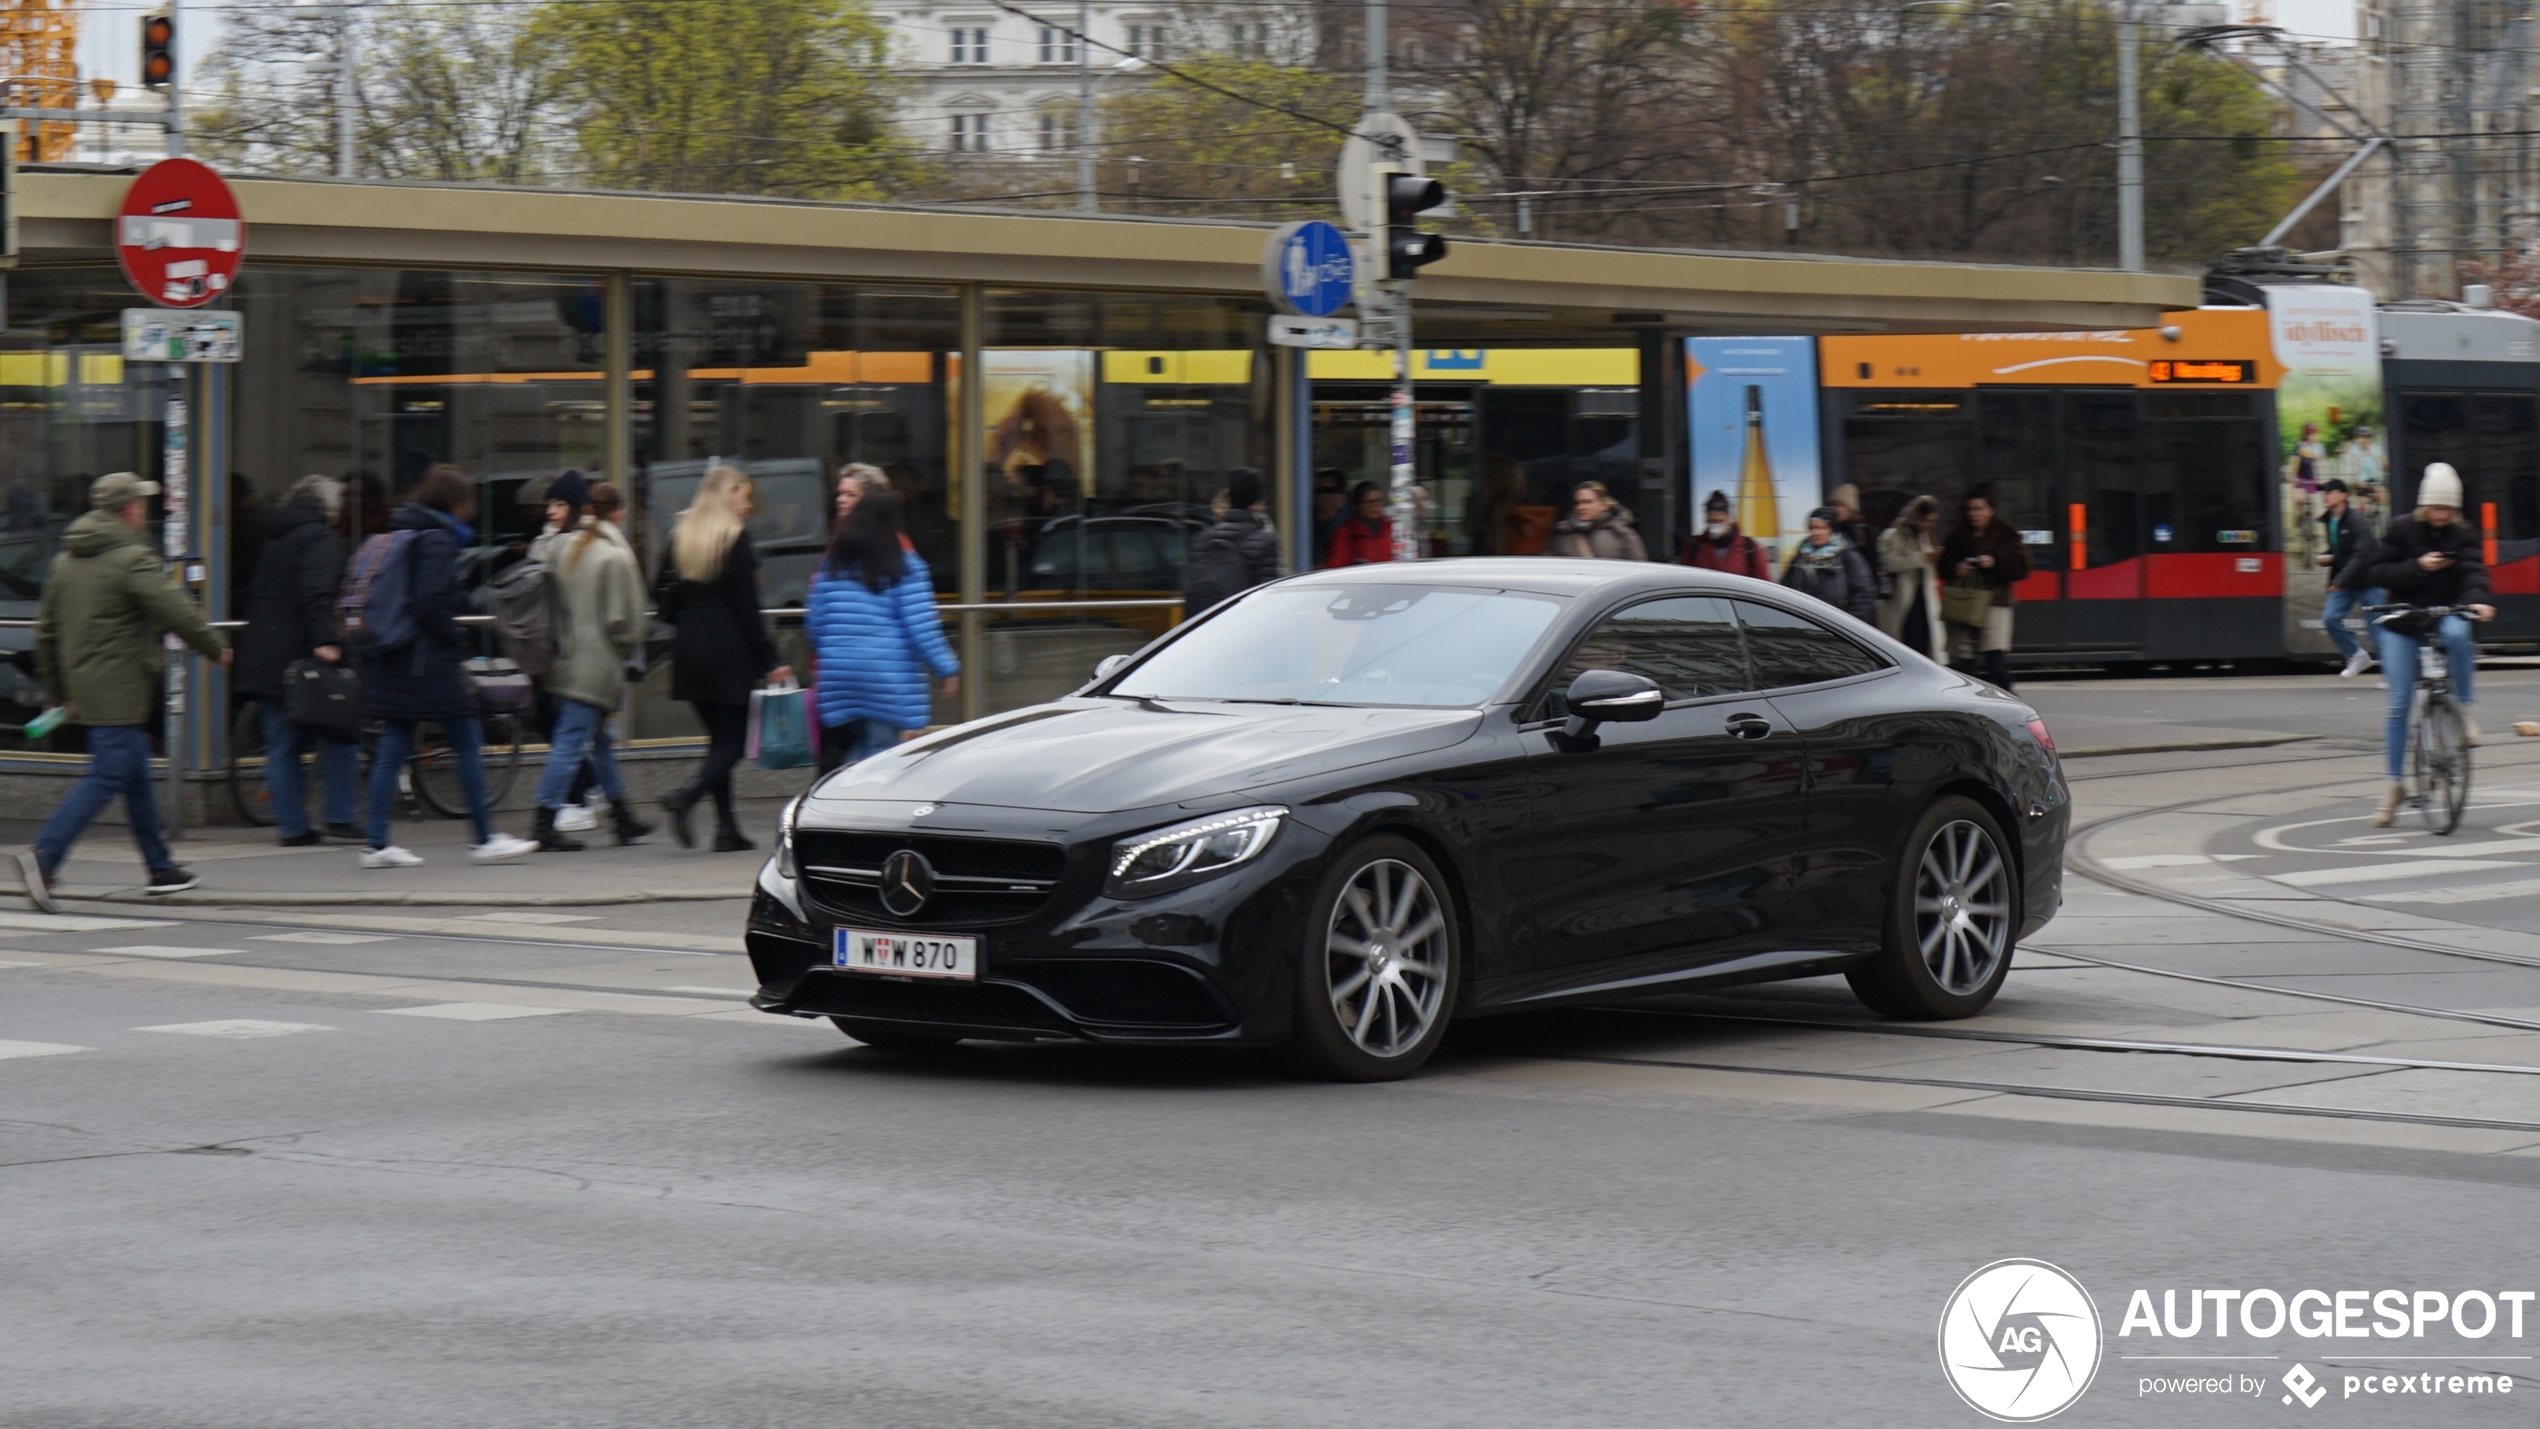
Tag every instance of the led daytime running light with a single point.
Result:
(1260, 823)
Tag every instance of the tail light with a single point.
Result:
(2037, 730)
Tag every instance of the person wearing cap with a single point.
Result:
(107, 601)
(2431, 557)
(1720, 546)
(2346, 541)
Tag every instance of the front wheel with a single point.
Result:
(1380, 970)
(436, 767)
(1951, 920)
(2442, 765)
(248, 792)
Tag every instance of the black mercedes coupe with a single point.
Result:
(1347, 807)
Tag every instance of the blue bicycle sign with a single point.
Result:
(1308, 270)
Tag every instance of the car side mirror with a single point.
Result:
(1610, 697)
(1109, 663)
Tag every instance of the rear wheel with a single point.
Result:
(892, 1039)
(1952, 919)
(436, 767)
(1379, 977)
(248, 793)
(2442, 765)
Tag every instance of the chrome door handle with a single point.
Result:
(1747, 726)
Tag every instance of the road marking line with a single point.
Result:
(2173, 860)
(38, 1049)
(2382, 872)
(236, 1028)
(327, 938)
(2474, 893)
(73, 923)
(708, 991)
(25, 965)
(474, 1011)
(162, 950)
(537, 919)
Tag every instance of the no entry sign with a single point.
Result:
(178, 234)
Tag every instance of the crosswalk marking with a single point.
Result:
(162, 950)
(474, 1011)
(331, 939)
(74, 923)
(236, 1028)
(2473, 893)
(2382, 872)
(38, 1049)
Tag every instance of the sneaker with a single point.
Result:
(2356, 664)
(390, 857)
(576, 819)
(306, 838)
(499, 847)
(171, 879)
(39, 889)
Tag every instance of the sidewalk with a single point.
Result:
(242, 867)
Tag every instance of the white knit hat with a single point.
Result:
(2441, 486)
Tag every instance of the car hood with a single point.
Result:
(1095, 756)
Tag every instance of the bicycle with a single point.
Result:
(2440, 751)
(430, 779)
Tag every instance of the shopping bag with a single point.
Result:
(1966, 600)
(780, 727)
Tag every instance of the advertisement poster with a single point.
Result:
(1040, 425)
(1752, 416)
(2328, 424)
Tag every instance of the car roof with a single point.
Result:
(1548, 575)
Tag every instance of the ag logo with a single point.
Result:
(2019, 1341)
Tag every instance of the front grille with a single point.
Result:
(960, 1004)
(1125, 991)
(980, 881)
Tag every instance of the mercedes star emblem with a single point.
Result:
(908, 880)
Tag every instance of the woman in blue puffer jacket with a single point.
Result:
(871, 621)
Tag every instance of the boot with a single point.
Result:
(2388, 813)
(728, 837)
(676, 806)
(549, 840)
(630, 829)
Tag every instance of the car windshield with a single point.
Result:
(1370, 644)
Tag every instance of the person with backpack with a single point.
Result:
(399, 612)
(1720, 546)
(597, 593)
(708, 592)
(291, 618)
(107, 600)
(1238, 551)
(871, 619)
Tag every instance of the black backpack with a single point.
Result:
(1216, 569)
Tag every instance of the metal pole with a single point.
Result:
(1086, 200)
(969, 481)
(1377, 97)
(176, 83)
(172, 483)
(1302, 555)
(2129, 143)
(1404, 501)
(343, 91)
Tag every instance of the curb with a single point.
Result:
(2105, 751)
(130, 897)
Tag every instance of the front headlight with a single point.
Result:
(785, 837)
(1186, 853)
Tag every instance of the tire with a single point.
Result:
(436, 770)
(1952, 919)
(890, 1039)
(1381, 969)
(2442, 765)
(248, 793)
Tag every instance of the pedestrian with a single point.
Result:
(107, 600)
(290, 618)
(2346, 546)
(1237, 551)
(708, 592)
(1910, 611)
(1365, 536)
(1846, 501)
(600, 625)
(423, 681)
(1720, 546)
(1985, 550)
(854, 479)
(2432, 557)
(1331, 506)
(871, 619)
(1830, 568)
(1597, 528)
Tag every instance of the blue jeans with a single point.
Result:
(338, 763)
(581, 731)
(2399, 664)
(2340, 604)
(397, 745)
(854, 741)
(118, 763)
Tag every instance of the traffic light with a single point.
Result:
(1407, 249)
(158, 49)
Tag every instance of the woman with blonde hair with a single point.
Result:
(708, 592)
(599, 595)
(1910, 557)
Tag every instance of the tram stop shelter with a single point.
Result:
(1121, 367)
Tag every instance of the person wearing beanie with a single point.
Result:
(2429, 557)
(1720, 546)
(1238, 550)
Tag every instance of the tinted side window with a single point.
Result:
(1688, 644)
(1793, 650)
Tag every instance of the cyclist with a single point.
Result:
(2429, 558)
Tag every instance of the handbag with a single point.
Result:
(780, 727)
(1966, 600)
(502, 689)
(324, 698)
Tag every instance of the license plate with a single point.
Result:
(906, 955)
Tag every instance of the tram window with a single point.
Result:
(2490, 438)
(2207, 482)
(1899, 445)
(2015, 455)
(2106, 472)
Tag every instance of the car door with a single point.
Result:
(1663, 844)
(1834, 691)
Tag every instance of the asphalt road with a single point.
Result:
(298, 1172)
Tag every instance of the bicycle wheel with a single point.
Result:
(436, 768)
(2442, 764)
(247, 790)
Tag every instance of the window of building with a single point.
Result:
(1058, 45)
(1147, 41)
(970, 133)
(1059, 129)
(970, 44)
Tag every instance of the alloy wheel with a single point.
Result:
(1962, 907)
(1385, 958)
